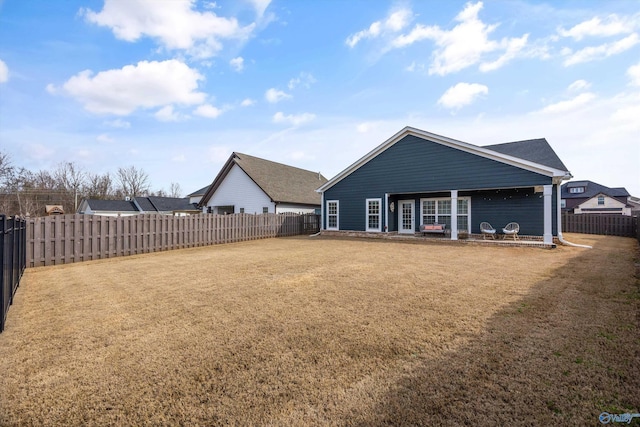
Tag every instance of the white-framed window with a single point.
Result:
(563, 203)
(600, 200)
(333, 210)
(374, 220)
(438, 210)
(265, 209)
(576, 190)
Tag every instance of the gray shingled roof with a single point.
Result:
(199, 192)
(282, 183)
(534, 150)
(591, 189)
(112, 205)
(170, 204)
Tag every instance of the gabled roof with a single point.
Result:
(282, 183)
(535, 150)
(521, 154)
(111, 205)
(165, 204)
(199, 192)
(591, 189)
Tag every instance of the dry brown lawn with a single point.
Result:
(321, 331)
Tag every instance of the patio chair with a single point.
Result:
(487, 230)
(511, 229)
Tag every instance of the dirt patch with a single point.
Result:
(310, 331)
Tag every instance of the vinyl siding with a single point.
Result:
(415, 168)
(240, 191)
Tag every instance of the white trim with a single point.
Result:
(436, 199)
(367, 215)
(322, 218)
(386, 212)
(548, 215)
(452, 143)
(454, 215)
(337, 202)
(413, 217)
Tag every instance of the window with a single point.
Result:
(600, 200)
(241, 210)
(576, 190)
(373, 214)
(332, 215)
(265, 210)
(563, 203)
(439, 211)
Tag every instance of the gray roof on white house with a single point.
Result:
(111, 205)
(591, 189)
(282, 183)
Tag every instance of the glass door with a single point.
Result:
(406, 223)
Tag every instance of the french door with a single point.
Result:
(406, 221)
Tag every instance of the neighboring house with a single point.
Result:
(580, 197)
(53, 210)
(416, 177)
(107, 207)
(138, 205)
(196, 196)
(248, 184)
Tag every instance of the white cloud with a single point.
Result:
(260, 6)
(293, 119)
(465, 44)
(145, 85)
(237, 63)
(4, 72)
(118, 123)
(512, 48)
(602, 51)
(104, 138)
(208, 111)
(274, 95)
(569, 105)
(174, 24)
(462, 94)
(578, 86)
(365, 127)
(303, 79)
(179, 158)
(166, 114)
(634, 74)
(395, 22)
(248, 102)
(612, 26)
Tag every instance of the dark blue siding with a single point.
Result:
(420, 168)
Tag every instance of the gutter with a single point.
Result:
(559, 221)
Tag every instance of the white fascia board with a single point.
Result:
(452, 143)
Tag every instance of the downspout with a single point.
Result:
(559, 221)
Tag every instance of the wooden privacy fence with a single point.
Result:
(610, 225)
(13, 259)
(65, 239)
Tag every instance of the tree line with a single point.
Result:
(26, 193)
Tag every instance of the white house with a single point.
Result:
(248, 184)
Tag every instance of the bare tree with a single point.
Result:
(175, 190)
(133, 182)
(98, 186)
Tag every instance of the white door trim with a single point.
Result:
(401, 204)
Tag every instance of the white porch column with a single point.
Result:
(322, 227)
(548, 214)
(454, 214)
(386, 212)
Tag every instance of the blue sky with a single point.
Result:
(174, 87)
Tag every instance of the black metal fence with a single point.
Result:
(13, 256)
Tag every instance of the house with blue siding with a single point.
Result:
(417, 177)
